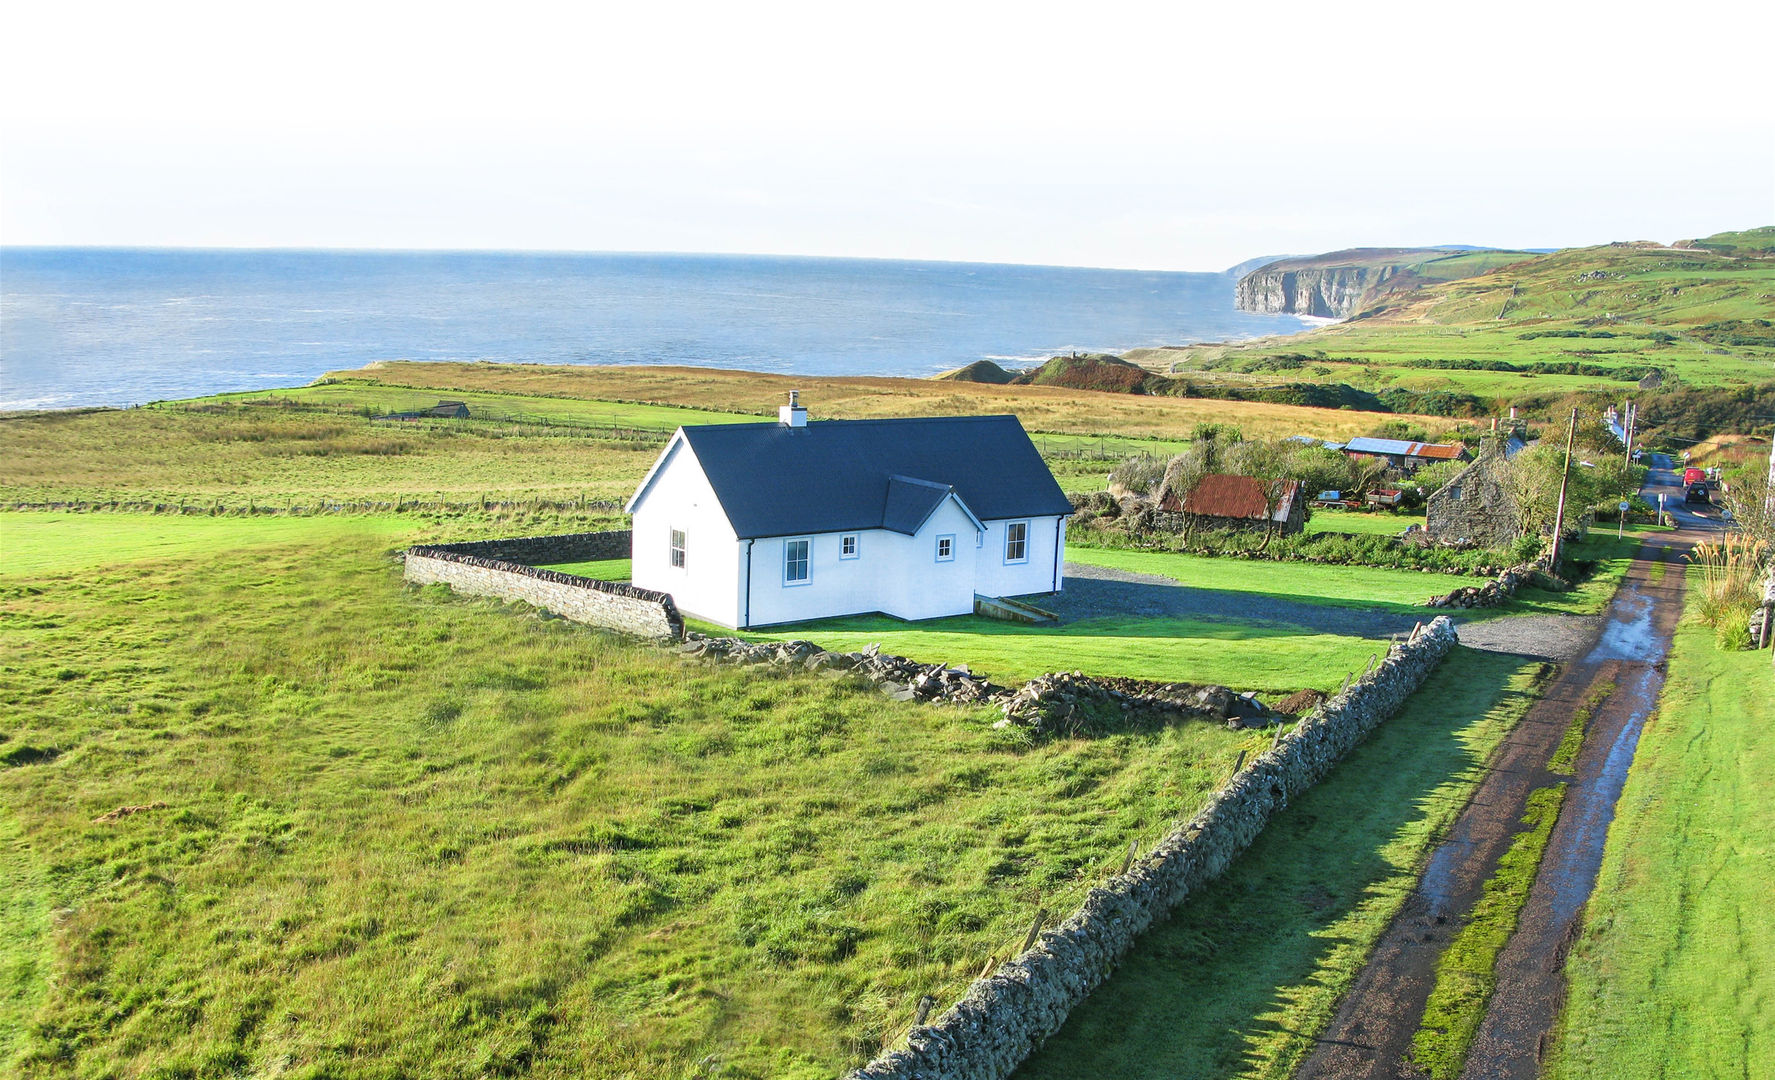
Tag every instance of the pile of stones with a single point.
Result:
(1496, 592)
(1063, 703)
(899, 678)
(1071, 703)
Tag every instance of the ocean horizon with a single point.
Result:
(122, 326)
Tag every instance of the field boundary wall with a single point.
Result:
(1004, 1016)
(498, 569)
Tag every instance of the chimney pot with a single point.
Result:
(792, 415)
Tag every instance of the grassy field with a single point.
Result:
(383, 831)
(1670, 976)
(267, 457)
(1041, 408)
(1268, 657)
(1238, 981)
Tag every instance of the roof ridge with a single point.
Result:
(765, 421)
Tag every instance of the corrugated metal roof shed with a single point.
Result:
(1404, 448)
(1240, 497)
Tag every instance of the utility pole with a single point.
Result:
(1565, 476)
(1630, 416)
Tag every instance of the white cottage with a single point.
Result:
(755, 524)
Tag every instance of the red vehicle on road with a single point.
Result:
(1693, 476)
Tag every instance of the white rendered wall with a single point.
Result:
(680, 498)
(995, 577)
(892, 573)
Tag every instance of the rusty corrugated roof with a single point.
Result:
(1242, 497)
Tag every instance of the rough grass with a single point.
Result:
(1246, 972)
(1671, 974)
(266, 457)
(1466, 971)
(392, 832)
(1276, 658)
(1041, 408)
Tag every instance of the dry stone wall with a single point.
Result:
(540, 550)
(609, 604)
(1006, 1015)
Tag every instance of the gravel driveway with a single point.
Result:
(1103, 592)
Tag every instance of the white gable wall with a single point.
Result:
(680, 498)
(993, 576)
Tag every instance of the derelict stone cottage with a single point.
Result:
(1477, 504)
(758, 524)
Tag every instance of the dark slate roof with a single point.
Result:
(911, 502)
(836, 475)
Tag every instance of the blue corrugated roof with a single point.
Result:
(834, 475)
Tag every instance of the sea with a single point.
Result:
(124, 326)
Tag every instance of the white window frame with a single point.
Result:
(677, 548)
(949, 539)
(807, 562)
(1023, 558)
(852, 541)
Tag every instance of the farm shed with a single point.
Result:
(1221, 501)
(1403, 454)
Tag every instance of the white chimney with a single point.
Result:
(792, 415)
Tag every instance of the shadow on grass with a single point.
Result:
(1208, 627)
(1246, 972)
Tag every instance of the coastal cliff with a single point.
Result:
(1342, 284)
(1334, 292)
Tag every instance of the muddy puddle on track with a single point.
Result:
(1371, 1033)
(1513, 1038)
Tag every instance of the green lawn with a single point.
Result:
(602, 569)
(1361, 523)
(1269, 657)
(1671, 976)
(1247, 971)
(394, 832)
(1371, 587)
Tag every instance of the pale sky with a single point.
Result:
(1166, 136)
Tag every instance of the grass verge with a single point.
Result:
(1671, 974)
(1465, 975)
(1244, 974)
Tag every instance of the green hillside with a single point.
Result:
(1697, 317)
